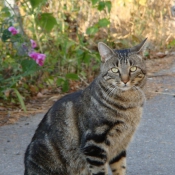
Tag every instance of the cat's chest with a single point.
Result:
(119, 136)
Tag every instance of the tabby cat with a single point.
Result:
(87, 132)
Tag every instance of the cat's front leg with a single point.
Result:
(103, 170)
(118, 164)
(96, 158)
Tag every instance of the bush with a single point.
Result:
(66, 34)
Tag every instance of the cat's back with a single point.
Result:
(60, 123)
(60, 114)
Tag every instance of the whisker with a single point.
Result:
(108, 95)
(138, 89)
(109, 91)
(105, 92)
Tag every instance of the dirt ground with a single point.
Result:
(40, 104)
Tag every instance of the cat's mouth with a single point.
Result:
(125, 86)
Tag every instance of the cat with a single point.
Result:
(87, 132)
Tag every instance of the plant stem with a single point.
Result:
(35, 27)
(36, 33)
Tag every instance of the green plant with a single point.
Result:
(67, 32)
(69, 56)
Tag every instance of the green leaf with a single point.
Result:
(17, 37)
(68, 45)
(46, 21)
(5, 12)
(87, 58)
(108, 5)
(72, 76)
(79, 52)
(60, 81)
(101, 5)
(65, 87)
(50, 81)
(94, 2)
(29, 66)
(92, 30)
(6, 35)
(172, 43)
(36, 3)
(103, 22)
(20, 98)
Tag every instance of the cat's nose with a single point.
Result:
(124, 78)
(125, 81)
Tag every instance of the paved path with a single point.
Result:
(152, 151)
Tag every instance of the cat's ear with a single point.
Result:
(105, 52)
(139, 49)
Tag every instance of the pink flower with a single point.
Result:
(33, 43)
(33, 55)
(38, 57)
(13, 30)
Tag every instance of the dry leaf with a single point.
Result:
(39, 95)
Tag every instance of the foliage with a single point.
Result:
(67, 32)
(67, 58)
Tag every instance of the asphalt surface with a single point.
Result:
(152, 151)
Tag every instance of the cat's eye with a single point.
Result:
(115, 70)
(133, 69)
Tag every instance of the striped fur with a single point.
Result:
(87, 132)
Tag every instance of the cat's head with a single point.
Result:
(123, 69)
